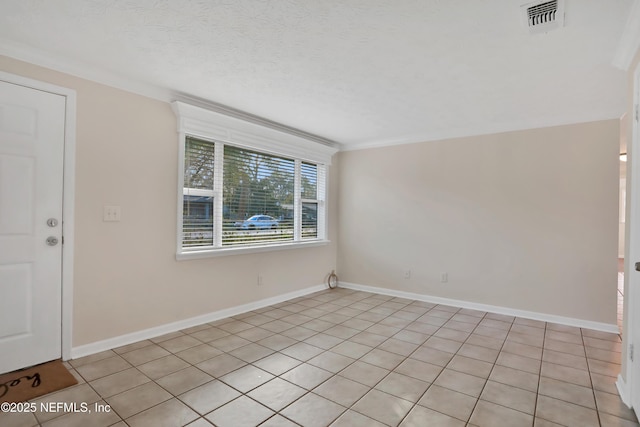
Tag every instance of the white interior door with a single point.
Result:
(32, 131)
(632, 276)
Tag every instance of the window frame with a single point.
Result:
(222, 128)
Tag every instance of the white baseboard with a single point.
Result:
(580, 323)
(623, 390)
(119, 341)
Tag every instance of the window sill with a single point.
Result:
(211, 253)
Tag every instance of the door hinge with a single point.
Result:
(631, 352)
(62, 240)
(636, 112)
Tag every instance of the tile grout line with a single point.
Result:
(593, 390)
(307, 392)
(355, 360)
(535, 407)
(456, 354)
(337, 373)
(490, 372)
(414, 404)
(173, 396)
(444, 367)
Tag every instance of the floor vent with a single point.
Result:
(541, 17)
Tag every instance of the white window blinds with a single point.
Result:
(309, 202)
(238, 197)
(197, 194)
(258, 202)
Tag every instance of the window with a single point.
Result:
(241, 193)
(197, 213)
(258, 199)
(309, 192)
(257, 193)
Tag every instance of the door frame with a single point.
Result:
(68, 199)
(628, 388)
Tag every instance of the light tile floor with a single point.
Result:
(349, 358)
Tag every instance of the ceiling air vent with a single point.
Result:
(543, 16)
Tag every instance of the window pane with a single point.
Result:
(309, 220)
(197, 208)
(198, 164)
(309, 181)
(257, 198)
(197, 221)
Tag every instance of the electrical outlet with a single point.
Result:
(444, 277)
(260, 280)
(111, 213)
(407, 274)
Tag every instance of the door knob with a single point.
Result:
(52, 241)
(637, 266)
(52, 222)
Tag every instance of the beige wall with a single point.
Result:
(126, 275)
(526, 220)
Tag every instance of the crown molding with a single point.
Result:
(489, 129)
(44, 59)
(629, 44)
(40, 58)
(630, 41)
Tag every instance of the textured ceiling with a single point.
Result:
(359, 72)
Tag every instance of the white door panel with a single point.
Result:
(632, 277)
(31, 181)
